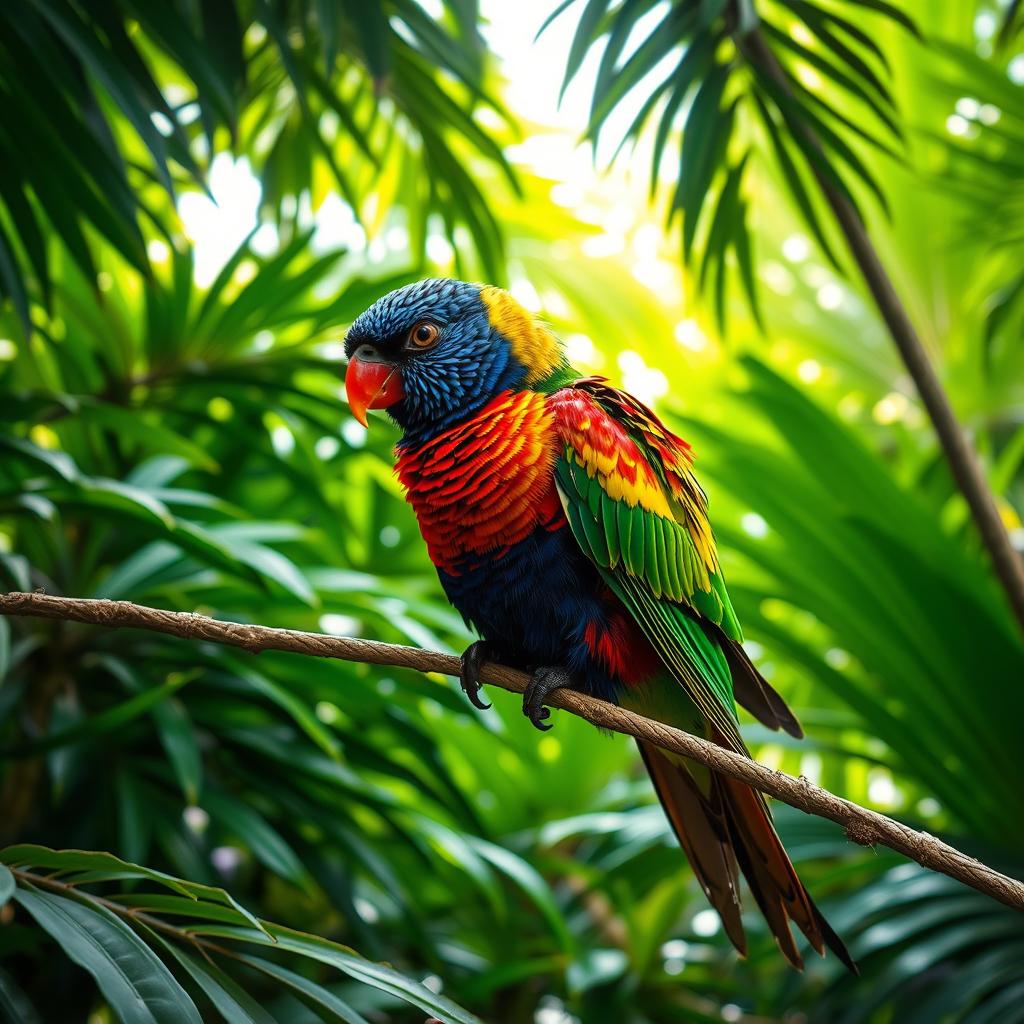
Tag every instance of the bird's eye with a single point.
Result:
(423, 335)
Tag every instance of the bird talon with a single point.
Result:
(542, 683)
(469, 673)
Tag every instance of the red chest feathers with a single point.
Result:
(487, 483)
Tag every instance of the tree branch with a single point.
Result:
(862, 826)
(966, 469)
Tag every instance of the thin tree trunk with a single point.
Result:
(962, 459)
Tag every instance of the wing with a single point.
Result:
(636, 509)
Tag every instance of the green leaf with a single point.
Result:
(560, 9)
(115, 495)
(458, 848)
(181, 906)
(230, 1000)
(266, 844)
(374, 33)
(892, 12)
(59, 462)
(741, 243)
(15, 1007)
(344, 959)
(797, 187)
(531, 882)
(177, 735)
(268, 563)
(95, 726)
(107, 865)
(610, 91)
(819, 21)
(695, 63)
(586, 33)
(705, 136)
(320, 998)
(134, 817)
(7, 884)
(148, 430)
(131, 977)
(299, 712)
(832, 74)
(26, 227)
(115, 77)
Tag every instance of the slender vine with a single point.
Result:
(863, 826)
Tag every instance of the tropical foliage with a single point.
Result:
(288, 839)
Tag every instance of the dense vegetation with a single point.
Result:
(173, 433)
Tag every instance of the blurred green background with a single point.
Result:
(195, 200)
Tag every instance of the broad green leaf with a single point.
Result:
(586, 33)
(131, 977)
(270, 564)
(299, 711)
(460, 850)
(231, 1001)
(12, 285)
(707, 129)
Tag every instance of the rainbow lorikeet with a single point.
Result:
(568, 528)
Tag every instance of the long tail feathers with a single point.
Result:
(703, 832)
(754, 692)
(728, 831)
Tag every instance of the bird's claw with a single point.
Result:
(541, 684)
(469, 673)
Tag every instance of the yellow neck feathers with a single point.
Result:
(531, 342)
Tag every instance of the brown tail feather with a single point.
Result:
(702, 830)
(729, 829)
(754, 692)
(768, 871)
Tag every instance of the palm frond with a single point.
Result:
(725, 103)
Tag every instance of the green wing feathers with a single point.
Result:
(638, 512)
(639, 515)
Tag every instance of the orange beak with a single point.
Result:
(371, 385)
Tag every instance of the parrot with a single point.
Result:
(569, 530)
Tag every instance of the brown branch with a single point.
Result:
(862, 826)
(963, 462)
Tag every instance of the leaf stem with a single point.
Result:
(71, 890)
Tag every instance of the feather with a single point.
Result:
(700, 826)
(728, 830)
(629, 490)
(755, 693)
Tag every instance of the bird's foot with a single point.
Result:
(469, 672)
(543, 681)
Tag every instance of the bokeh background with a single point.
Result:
(195, 200)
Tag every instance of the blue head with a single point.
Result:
(434, 352)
